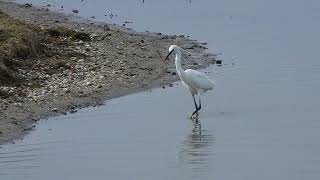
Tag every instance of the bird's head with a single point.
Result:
(179, 50)
(172, 48)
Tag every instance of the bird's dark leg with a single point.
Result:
(199, 107)
(199, 100)
(196, 111)
(195, 103)
(196, 106)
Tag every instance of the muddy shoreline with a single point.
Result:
(116, 62)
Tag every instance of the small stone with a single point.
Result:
(170, 85)
(106, 28)
(73, 111)
(27, 5)
(66, 90)
(219, 62)
(28, 129)
(165, 37)
(89, 83)
(174, 73)
(54, 109)
(75, 11)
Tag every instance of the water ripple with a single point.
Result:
(196, 153)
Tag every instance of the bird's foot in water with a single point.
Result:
(193, 116)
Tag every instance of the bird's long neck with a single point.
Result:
(179, 69)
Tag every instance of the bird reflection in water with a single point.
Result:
(196, 152)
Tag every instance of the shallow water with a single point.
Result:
(261, 122)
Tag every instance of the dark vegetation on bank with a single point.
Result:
(23, 45)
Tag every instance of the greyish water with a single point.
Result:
(261, 122)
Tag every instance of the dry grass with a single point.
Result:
(63, 32)
(17, 40)
(20, 42)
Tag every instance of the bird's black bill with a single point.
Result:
(168, 55)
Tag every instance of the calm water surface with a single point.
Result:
(261, 122)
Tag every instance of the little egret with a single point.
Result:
(194, 81)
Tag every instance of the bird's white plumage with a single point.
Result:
(196, 82)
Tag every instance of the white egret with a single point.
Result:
(194, 81)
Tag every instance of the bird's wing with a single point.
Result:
(198, 80)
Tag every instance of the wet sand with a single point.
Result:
(117, 62)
